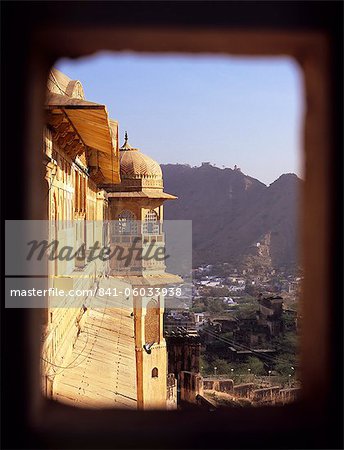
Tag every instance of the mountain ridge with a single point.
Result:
(236, 218)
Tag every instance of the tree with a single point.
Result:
(205, 367)
(256, 366)
(215, 306)
(223, 368)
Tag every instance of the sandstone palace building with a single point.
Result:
(111, 353)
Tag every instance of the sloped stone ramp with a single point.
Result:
(101, 372)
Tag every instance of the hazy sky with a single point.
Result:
(180, 109)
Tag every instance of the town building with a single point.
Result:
(269, 314)
(175, 319)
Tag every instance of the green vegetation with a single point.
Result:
(282, 364)
(212, 305)
(287, 347)
(242, 372)
(246, 307)
(255, 365)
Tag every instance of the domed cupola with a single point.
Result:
(137, 169)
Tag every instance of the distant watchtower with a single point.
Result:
(136, 211)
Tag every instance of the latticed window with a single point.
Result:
(151, 223)
(126, 223)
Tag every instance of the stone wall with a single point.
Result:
(75, 215)
(243, 390)
(265, 395)
(183, 354)
(271, 394)
(191, 385)
(218, 385)
(171, 402)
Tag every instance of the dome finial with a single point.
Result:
(126, 145)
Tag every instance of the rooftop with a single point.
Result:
(135, 164)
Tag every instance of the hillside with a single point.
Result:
(236, 218)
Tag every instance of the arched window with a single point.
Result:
(126, 223)
(155, 372)
(152, 322)
(151, 223)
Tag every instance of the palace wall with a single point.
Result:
(75, 210)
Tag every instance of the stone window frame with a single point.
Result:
(152, 321)
(312, 52)
(242, 34)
